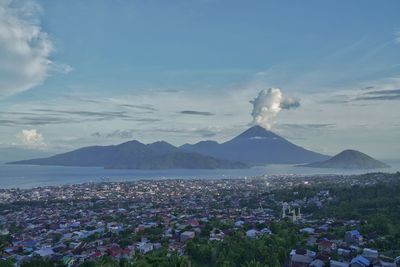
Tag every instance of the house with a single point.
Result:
(343, 252)
(114, 251)
(311, 241)
(80, 234)
(301, 257)
(317, 263)
(385, 264)
(359, 261)
(300, 261)
(339, 264)
(355, 249)
(29, 244)
(168, 232)
(353, 237)
(239, 223)
(216, 235)
(323, 228)
(370, 254)
(265, 231)
(44, 252)
(94, 255)
(193, 223)
(128, 253)
(308, 230)
(4, 232)
(157, 245)
(397, 261)
(144, 247)
(115, 227)
(252, 233)
(150, 225)
(327, 246)
(187, 235)
(325, 257)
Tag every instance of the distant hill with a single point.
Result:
(135, 155)
(349, 159)
(256, 146)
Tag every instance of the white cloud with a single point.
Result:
(31, 138)
(24, 48)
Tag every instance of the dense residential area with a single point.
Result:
(282, 220)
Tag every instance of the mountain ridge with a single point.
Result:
(135, 155)
(254, 146)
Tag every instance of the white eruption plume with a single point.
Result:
(268, 104)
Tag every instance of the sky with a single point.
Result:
(78, 73)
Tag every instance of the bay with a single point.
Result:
(29, 176)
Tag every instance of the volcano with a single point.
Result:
(256, 146)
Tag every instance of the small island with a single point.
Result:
(349, 159)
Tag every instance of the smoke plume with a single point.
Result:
(268, 104)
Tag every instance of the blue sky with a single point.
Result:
(102, 72)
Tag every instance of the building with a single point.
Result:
(359, 261)
(327, 246)
(265, 231)
(386, 264)
(370, 254)
(44, 252)
(239, 223)
(301, 257)
(145, 247)
(339, 264)
(317, 263)
(308, 230)
(252, 233)
(187, 235)
(353, 237)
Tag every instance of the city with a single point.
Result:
(131, 222)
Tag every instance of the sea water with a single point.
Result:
(28, 176)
